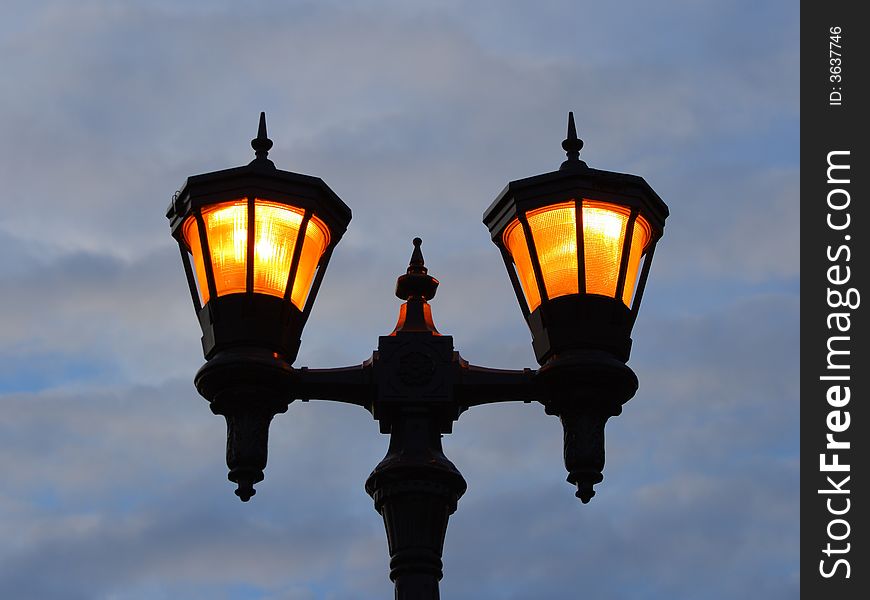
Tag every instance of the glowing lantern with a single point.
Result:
(255, 242)
(578, 244)
(276, 233)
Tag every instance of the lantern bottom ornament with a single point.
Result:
(584, 389)
(248, 386)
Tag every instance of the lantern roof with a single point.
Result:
(260, 179)
(574, 180)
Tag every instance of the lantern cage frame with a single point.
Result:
(250, 318)
(581, 321)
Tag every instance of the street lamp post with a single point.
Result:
(255, 242)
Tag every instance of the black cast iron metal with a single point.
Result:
(416, 384)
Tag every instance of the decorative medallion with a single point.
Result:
(416, 369)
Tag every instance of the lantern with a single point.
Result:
(578, 244)
(255, 242)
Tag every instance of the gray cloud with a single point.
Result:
(139, 496)
(114, 484)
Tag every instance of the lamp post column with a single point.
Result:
(415, 488)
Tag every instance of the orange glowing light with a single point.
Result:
(515, 240)
(641, 236)
(554, 232)
(276, 231)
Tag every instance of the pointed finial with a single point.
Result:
(416, 287)
(572, 146)
(262, 144)
(416, 282)
(416, 265)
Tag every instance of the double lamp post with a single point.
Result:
(577, 243)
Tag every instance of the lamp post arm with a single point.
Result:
(478, 385)
(351, 385)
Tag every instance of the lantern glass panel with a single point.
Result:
(226, 227)
(315, 242)
(191, 236)
(639, 240)
(276, 231)
(603, 238)
(554, 229)
(515, 241)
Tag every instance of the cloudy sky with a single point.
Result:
(112, 480)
